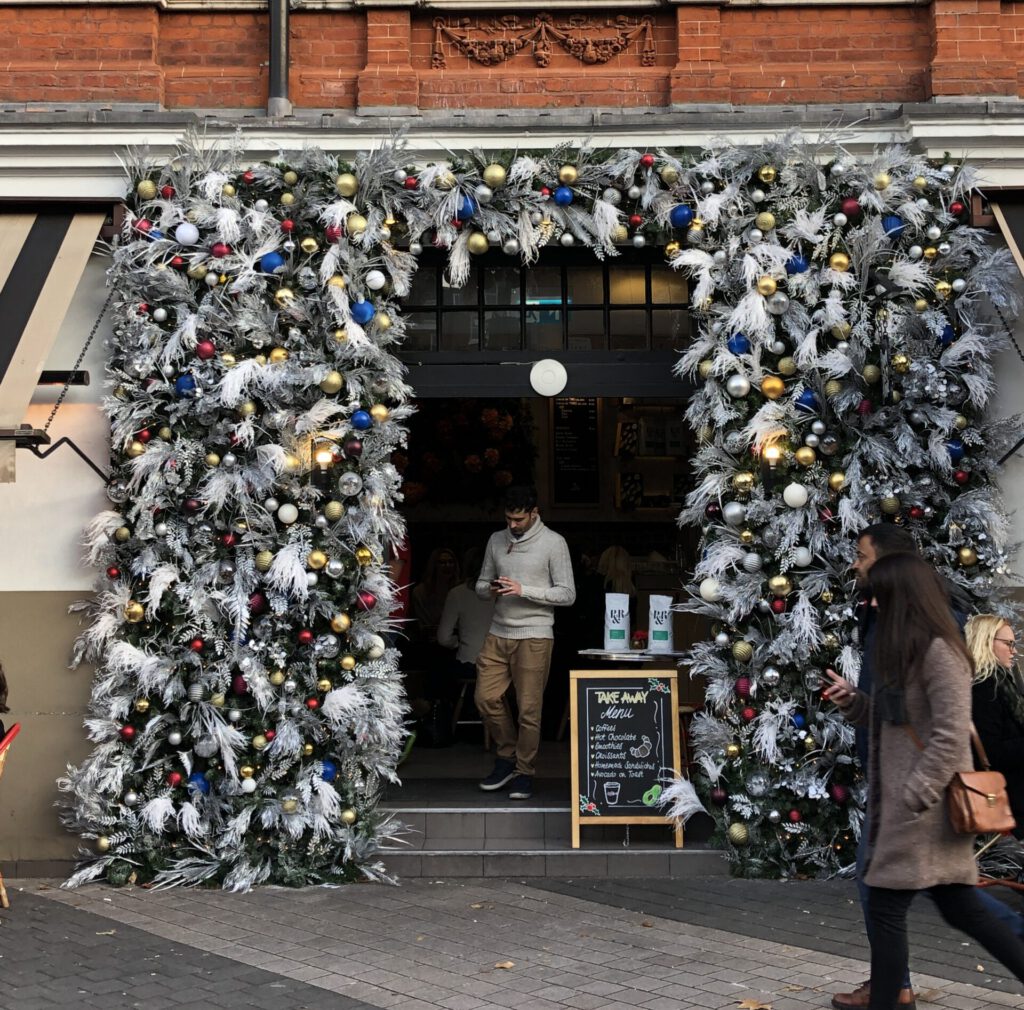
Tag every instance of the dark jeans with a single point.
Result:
(960, 905)
(862, 892)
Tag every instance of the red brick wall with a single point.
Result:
(389, 58)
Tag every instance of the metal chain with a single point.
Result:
(81, 358)
(1009, 332)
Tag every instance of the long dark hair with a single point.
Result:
(913, 611)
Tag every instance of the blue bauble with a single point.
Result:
(271, 262)
(362, 312)
(893, 226)
(197, 782)
(681, 216)
(807, 401)
(948, 335)
(467, 208)
(797, 264)
(154, 233)
(185, 387)
(738, 344)
(956, 450)
(361, 420)
(563, 196)
(799, 721)
(330, 771)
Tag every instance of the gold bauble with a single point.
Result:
(287, 199)
(292, 463)
(839, 262)
(568, 174)
(346, 184)
(309, 245)
(332, 382)
(284, 296)
(780, 585)
(733, 750)
(134, 611)
(260, 359)
(228, 189)
(263, 560)
(742, 651)
(382, 321)
(103, 842)
(379, 413)
(967, 556)
(122, 534)
(890, 505)
(836, 480)
(307, 750)
(833, 387)
(277, 678)
(246, 409)
(620, 233)
(826, 596)
(349, 816)
(341, 622)
(197, 271)
(446, 180)
(290, 178)
(772, 387)
(920, 182)
(871, 373)
(164, 433)
(289, 805)
(766, 286)
(142, 705)
(743, 482)
(930, 252)
(259, 742)
(805, 455)
(943, 288)
(277, 355)
(364, 556)
(672, 250)
(830, 641)
(882, 180)
(495, 176)
(810, 744)
(669, 174)
(767, 173)
(347, 662)
(787, 365)
(921, 305)
(146, 190)
(316, 559)
(960, 422)
(746, 536)
(323, 685)
(212, 459)
(340, 335)
(900, 364)
(135, 448)
(477, 243)
(246, 771)
(739, 834)
(765, 220)
(217, 700)
(228, 360)
(705, 368)
(355, 224)
(334, 510)
(337, 281)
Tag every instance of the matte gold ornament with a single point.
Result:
(263, 560)
(805, 455)
(259, 742)
(767, 173)
(733, 750)
(772, 387)
(347, 662)
(890, 505)
(349, 816)
(278, 355)
(697, 224)
(364, 556)
(765, 220)
(289, 804)
(930, 252)
(316, 560)
(839, 262)
(287, 199)
(780, 585)
(830, 641)
(337, 281)
(284, 296)
(346, 184)
(382, 321)
(672, 250)
(332, 382)
(142, 705)
(260, 359)
(746, 536)
(620, 233)
(228, 190)
(134, 612)
(477, 243)
(967, 556)
(355, 224)
(960, 422)
(290, 178)
(135, 448)
(309, 245)
(146, 189)
(341, 623)
(323, 685)
(742, 651)
(307, 750)
(246, 771)
(669, 174)
(334, 510)
(871, 373)
(826, 596)
(446, 180)
(277, 678)
(122, 534)
(246, 409)
(340, 335)
(921, 305)
(767, 286)
(837, 480)
(228, 360)
(217, 700)
(292, 463)
(787, 365)
(833, 388)
(568, 174)
(212, 459)
(943, 288)
(705, 368)
(739, 834)
(842, 331)
(743, 482)
(103, 842)
(920, 182)
(882, 181)
(164, 433)
(900, 364)
(379, 413)
(810, 744)
(495, 176)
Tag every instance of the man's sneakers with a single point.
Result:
(860, 998)
(504, 772)
(522, 788)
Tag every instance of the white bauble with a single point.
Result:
(287, 513)
(247, 785)
(567, 239)
(511, 247)
(186, 234)
(711, 590)
(261, 205)
(174, 738)
(802, 557)
(839, 220)
(795, 495)
(375, 280)
(639, 241)
(375, 647)
(484, 194)
(160, 315)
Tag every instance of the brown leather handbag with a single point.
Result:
(976, 802)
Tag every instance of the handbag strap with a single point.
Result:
(979, 747)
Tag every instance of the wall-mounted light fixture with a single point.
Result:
(769, 461)
(79, 377)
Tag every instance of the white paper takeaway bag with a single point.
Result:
(616, 622)
(659, 637)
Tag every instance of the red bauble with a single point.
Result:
(178, 262)
(233, 439)
(205, 350)
(825, 515)
(248, 176)
(794, 816)
(864, 407)
(749, 714)
(718, 796)
(192, 505)
(457, 224)
(312, 703)
(647, 160)
(839, 793)
(257, 603)
(220, 249)
(287, 224)
(635, 220)
(332, 233)
(167, 192)
(240, 686)
(144, 436)
(304, 637)
(778, 606)
(366, 599)
(127, 733)
(352, 447)
(916, 512)
(411, 182)
(270, 734)
(961, 476)
(742, 687)
(229, 539)
(174, 779)
(197, 645)
(113, 573)
(143, 225)
(143, 306)
(545, 191)
(956, 208)
(851, 208)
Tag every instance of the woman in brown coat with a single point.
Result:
(922, 689)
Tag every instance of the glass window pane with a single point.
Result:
(424, 287)
(466, 295)
(543, 286)
(501, 285)
(586, 330)
(420, 331)
(668, 285)
(627, 285)
(670, 328)
(460, 331)
(628, 330)
(502, 331)
(586, 285)
(544, 329)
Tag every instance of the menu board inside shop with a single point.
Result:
(625, 745)
(575, 476)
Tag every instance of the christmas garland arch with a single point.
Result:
(247, 710)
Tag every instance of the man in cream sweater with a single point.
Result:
(527, 572)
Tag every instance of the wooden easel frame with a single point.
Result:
(672, 676)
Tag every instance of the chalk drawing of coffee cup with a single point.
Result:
(611, 792)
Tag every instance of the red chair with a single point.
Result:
(5, 746)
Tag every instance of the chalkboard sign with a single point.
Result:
(575, 477)
(625, 745)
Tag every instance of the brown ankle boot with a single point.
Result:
(860, 998)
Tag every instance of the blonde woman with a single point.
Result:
(998, 703)
(615, 566)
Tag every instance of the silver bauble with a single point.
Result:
(752, 563)
(915, 252)
(719, 256)
(757, 196)
(131, 798)
(234, 715)
(160, 529)
(934, 232)
(334, 569)
(757, 784)
(722, 639)
(755, 236)
(328, 646)
(612, 196)
(271, 504)
(350, 483)
(290, 686)
(415, 249)
(734, 513)
(226, 571)
(829, 445)
(778, 347)
(839, 220)
(737, 386)
(764, 606)
(206, 746)
(774, 817)
(511, 247)
(321, 521)
(959, 285)
(483, 193)
(770, 676)
(174, 737)
(567, 239)
(778, 303)
(634, 192)
(812, 440)
(707, 187)
(639, 241)
(195, 693)
(228, 460)
(818, 427)
(312, 579)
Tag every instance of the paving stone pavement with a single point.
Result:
(463, 945)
